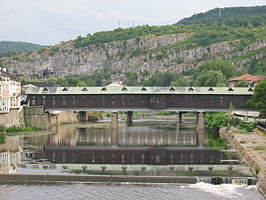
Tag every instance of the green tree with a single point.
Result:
(180, 81)
(211, 78)
(225, 66)
(258, 100)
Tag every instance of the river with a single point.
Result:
(199, 191)
(143, 134)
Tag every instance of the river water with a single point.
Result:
(149, 133)
(199, 191)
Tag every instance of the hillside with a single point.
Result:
(145, 54)
(11, 47)
(233, 16)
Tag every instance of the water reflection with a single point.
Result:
(142, 133)
(10, 155)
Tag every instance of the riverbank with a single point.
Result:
(250, 147)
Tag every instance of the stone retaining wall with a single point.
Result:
(254, 160)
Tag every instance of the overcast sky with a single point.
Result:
(52, 21)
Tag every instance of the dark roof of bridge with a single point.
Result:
(140, 90)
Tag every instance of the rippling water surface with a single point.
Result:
(83, 191)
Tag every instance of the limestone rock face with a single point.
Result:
(153, 53)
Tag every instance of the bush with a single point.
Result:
(249, 126)
(216, 121)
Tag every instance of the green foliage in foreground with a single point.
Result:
(216, 120)
(18, 129)
(220, 119)
(258, 100)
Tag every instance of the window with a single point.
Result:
(143, 89)
(190, 89)
(53, 102)
(124, 89)
(172, 89)
(33, 102)
(210, 89)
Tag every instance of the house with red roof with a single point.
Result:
(251, 79)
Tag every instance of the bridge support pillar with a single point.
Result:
(82, 116)
(129, 118)
(200, 129)
(178, 119)
(114, 136)
(114, 120)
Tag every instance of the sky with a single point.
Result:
(49, 22)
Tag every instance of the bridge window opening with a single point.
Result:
(84, 89)
(124, 89)
(191, 89)
(45, 90)
(93, 158)
(157, 158)
(43, 102)
(65, 89)
(74, 102)
(142, 101)
(44, 97)
(171, 158)
(143, 89)
(53, 102)
(53, 97)
(142, 158)
(230, 89)
(172, 89)
(33, 102)
(133, 158)
(191, 158)
(210, 89)
(221, 101)
(103, 89)
(123, 158)
(64, 102)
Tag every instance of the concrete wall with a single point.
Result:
(13, 118)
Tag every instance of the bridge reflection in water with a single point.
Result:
(146, 142)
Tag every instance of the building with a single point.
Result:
(10, 90)
(251, 79)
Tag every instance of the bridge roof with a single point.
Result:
(139, 90)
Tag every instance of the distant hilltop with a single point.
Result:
(12, 47)
(233, 16)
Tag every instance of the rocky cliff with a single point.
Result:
(168, 52)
